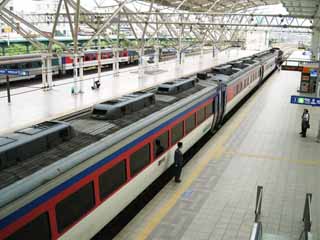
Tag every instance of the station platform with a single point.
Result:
(259, 145)
(31, 105)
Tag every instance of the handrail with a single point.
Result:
(256, 232)
(307, 218)
(257, 210)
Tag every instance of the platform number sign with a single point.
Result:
(302, 100)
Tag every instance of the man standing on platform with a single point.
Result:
(305, 118)
(178, 161)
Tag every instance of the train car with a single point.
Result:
(30, 62)
(62, 64)
(67, 179)
(90, 59)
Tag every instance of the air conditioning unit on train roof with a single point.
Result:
(248, 61)
(239, 64)
(117, 108)
(176, 86)
(25, 143)
(224, 70)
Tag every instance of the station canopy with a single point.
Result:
(307, 8)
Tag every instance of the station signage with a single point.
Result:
(302, 100)
(14, 72)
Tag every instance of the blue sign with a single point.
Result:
(14, 72)
(313, 73)
(311, 101)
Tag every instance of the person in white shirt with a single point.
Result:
(305, 119)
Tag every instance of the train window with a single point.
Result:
(190, 123)
(112, 179)
(200, 115)
(176, 133)
(209, 109)
(139, 159)
(73, 207)
(38, 228)
(161, 144)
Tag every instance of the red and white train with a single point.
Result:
(68, 179)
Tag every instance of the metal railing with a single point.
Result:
(256, 232)
(307, 219)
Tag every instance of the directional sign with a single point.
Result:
(311, 101)
(14, 72)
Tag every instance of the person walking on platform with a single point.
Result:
(305, 118)
(178, 160)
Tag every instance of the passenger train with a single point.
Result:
(63, 64)
(68, 178)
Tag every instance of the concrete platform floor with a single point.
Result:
(31, 105)
(259, 145)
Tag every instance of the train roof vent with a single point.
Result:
(239, 64)
(224, 69)
(248, 61)
(28, 142)
(176, 86)
(202, 75)
(115, 109)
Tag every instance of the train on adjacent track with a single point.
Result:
(68, 178)
(63, 64)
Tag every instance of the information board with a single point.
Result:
(302, 100)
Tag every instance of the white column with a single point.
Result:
(81, 73)
(99, 57)
(315, 44)
(157, 56)
(75, 74)
(49, 72)
(141, 64)
(44, 73)
(117, 62)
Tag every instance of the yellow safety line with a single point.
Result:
(269, 157)
(213, 153)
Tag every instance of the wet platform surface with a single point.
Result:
(31, 105)
(259, 145)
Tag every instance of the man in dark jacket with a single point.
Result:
(178, 161)
(305, 118)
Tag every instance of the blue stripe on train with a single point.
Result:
(52, 193)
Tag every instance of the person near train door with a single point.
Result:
(305, 119)
(178, 161)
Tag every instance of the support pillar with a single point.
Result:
(81, 73)
(117, 62)
(141, 64)
(44, 73)
(75, 75)
(49, 72)
(315, 44)
(99, 57)
(157, 56)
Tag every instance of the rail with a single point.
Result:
(256, 232)
(307, 219)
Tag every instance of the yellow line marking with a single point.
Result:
(214, 152)
(269, 157)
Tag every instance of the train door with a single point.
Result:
(222, 101)
(261, 72)
(215, 111)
